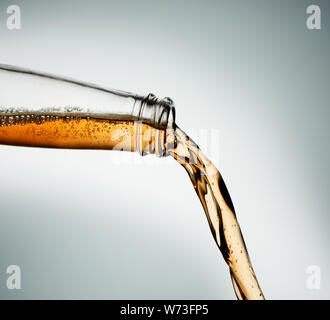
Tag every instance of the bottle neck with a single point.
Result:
(154, 117)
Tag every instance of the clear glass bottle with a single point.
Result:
(38, 109)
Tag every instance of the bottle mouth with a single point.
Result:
(158, 115)
(156, 112)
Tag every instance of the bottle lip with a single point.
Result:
(156, 112)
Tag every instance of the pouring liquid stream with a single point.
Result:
(213, 194)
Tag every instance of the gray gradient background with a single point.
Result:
(81, 227)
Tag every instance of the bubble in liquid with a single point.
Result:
(10, 121)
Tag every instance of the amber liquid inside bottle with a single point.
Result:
(78, 131)
(122, 133)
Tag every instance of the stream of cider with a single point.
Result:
(219, 210)
(113, 132)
